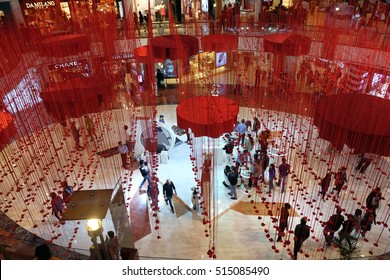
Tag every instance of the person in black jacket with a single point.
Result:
(233, 178)
(332, 225)
(301, 233)
(228, 148)
(373, 199)
(283, 220)
(363, 163)
(168, 189)
(348, 226)
(160, 79)
(325, 183)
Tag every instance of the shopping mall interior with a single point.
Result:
(309, 79)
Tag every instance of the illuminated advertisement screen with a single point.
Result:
(220, 59)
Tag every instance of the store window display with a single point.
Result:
(49, 17)
(44, 16)
(68, 70)
(169, 69)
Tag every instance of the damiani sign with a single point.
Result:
(40, 5)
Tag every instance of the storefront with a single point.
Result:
(45, 16)
(6, 17)
(68, 70)
(127, 63)
(380, 85)
(50, 17)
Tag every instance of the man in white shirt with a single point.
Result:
(241, 129)
(122, 149)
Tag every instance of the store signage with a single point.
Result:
(123, 56)
(69, 64)
(40, 5)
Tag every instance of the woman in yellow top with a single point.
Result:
(90, 127)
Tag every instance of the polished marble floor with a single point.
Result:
(235, 234)
(241, 236)
(34, 165)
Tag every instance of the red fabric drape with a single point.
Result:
(142, 54)
(77, 97)
(291, 44)
(360, 121)
(65, 45)
(7, 128)
(207, 115)
(174, 46)
(219, 42)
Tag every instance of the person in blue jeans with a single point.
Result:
(271, 176)
(233, 178)
(284, 170)
(145, 172)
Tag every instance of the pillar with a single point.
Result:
(356, 78)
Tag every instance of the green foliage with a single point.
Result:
(347, 248)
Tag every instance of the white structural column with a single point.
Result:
(356, 78)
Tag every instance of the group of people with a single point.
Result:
(245, 129)
(301, 230)
(351, 226)
(230, 16)
(341, 176)
(152, 189)
(355, 224)
(58, 203)
(257, 165)
(76, 132)
(340, 179)
(126, 149)
(160, 11)
(140, 21)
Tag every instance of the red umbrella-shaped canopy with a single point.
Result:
(174, 46)
(144, 54)
(290, 44)
(77, 97)
(65, 45)
(219, 42)
(7, 128)
(207, 115)
(360, 121)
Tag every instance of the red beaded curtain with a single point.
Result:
(295, 68)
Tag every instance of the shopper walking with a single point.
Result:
(90, 127)
(145, 172)
(76, 134)
(340, 179)
(233, 179)
(168, 189)
(122, 149)
(284, 170)
(271, 176)
(283, 220)
(332, 226)
(57, 205)
(301, 233)
(325, 183)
